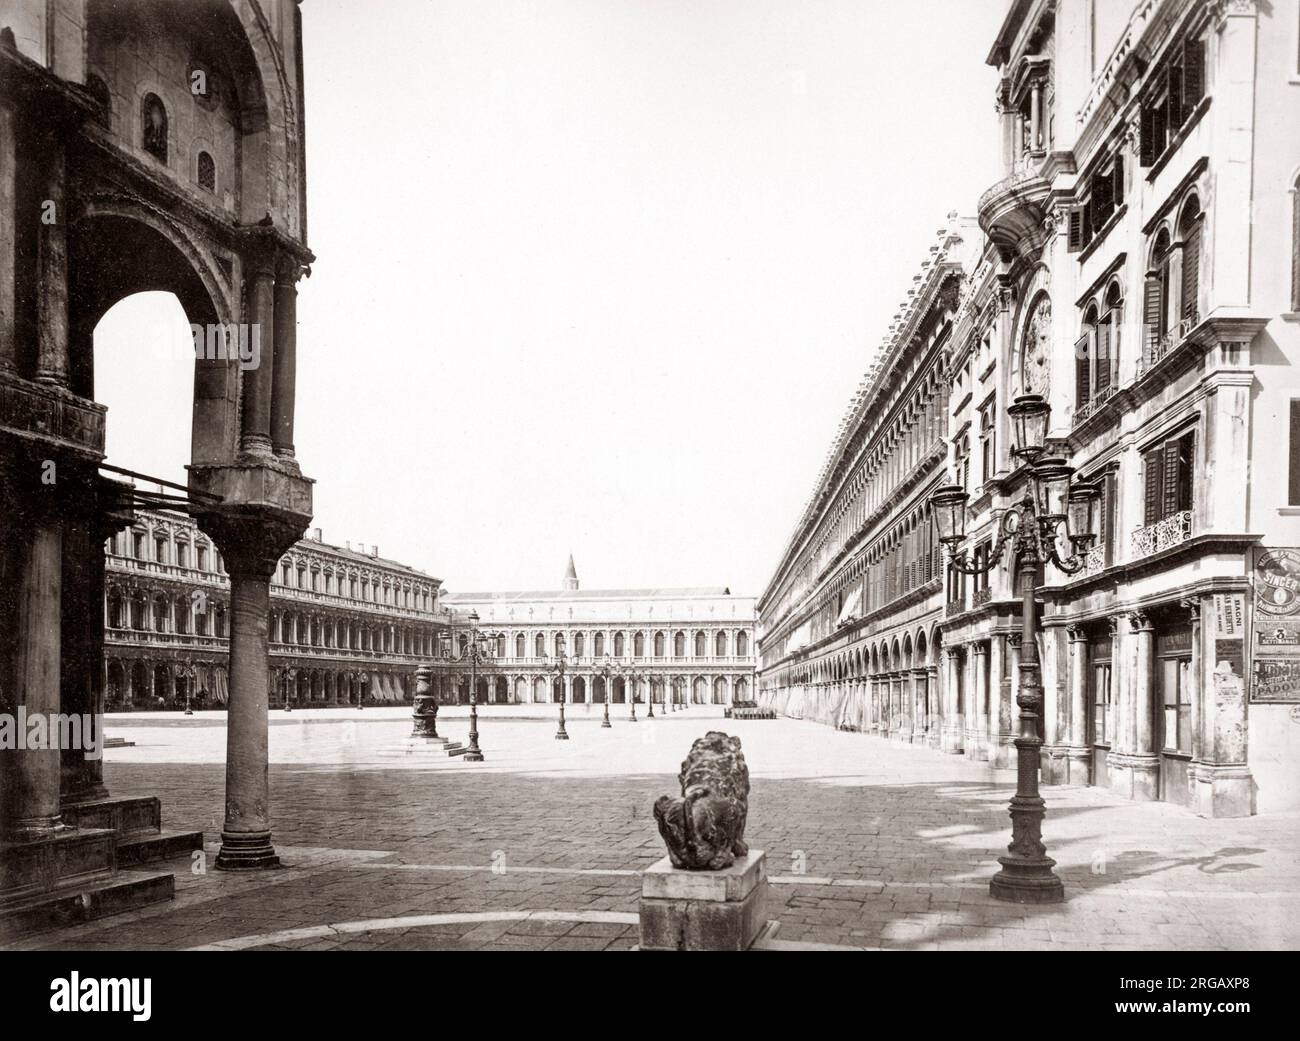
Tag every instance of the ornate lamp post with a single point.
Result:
(424, 708)
(477, 650)
(1033, 527)
(631, 692)
(188, 674)
(285, 678)
(649, 695)
(603, 671)
(558, 668)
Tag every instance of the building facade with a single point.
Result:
(850, 621)
(660, 646)
(347, 627)
(1140, 270)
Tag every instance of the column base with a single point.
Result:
(1134, 777)
(1054, 767)
(1078, 764)
(1002, 753)
(1223, 791)
(246, 851)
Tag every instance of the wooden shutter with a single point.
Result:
(1103, 354)
(1191, 269)
(1108, 514)
(1294, 482)
(1183, 478)
(1193, 74)
(1147, 144)
(1117, 180)
(1174, 106)
(1170, 474)
(1074, 241)
(1151, 310)
(1153, 478)
(1082, 364)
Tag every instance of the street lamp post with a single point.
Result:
(1033, 528)
(558, 668)
(649, 696)
(631, 691)
(603, 670)
(188, 674)
(477, 650)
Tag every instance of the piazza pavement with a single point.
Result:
(870, 844)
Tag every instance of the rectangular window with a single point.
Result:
(1178, 88)
(1294, 497)
(1102, 716)
(1167, 475)
(1174, 674)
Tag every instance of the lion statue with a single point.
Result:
(704, 827)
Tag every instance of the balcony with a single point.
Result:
(1160, 348)
(1172, 531)
(1012, 212)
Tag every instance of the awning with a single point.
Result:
(849, 610)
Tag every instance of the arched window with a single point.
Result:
(720, 645)
(559, 644)
(599, 645)
(659, 645)
(539, 646)
(618, 645)
(742, 644)
(207, 172)
(579, 645)
(519, 645)
(701, 645)
(1155, 301)
(638, 645)
(1189, 230)
(1085, 359)
(679, 645)
(153, 134)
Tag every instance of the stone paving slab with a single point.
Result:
(869, 844)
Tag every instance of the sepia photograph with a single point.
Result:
(650, 475)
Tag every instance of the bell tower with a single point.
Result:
(570, 577)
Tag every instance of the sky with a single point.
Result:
(594, 277)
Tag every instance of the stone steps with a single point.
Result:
(438, 747)
(148, 847)
(85, 902)
(76, 874)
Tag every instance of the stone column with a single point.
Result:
(919, 678)
(283, 375)
(31, 776)
(258, 382)
(8, 218)
(954, 739)
(933, 716)
(52, 266)
(1139, 771)
(1001, 726)
(1077, 754)
(1222, 783)
(980, 657)
(251, 542)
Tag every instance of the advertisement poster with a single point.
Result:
(1276, 636)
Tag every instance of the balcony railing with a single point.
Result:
(1174, 529)
(1160, 347)
(1093, 405)
(1094, 562)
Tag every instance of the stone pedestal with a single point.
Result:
(703, 910)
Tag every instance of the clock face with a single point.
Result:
(1036, 348)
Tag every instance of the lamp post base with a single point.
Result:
(560, 735)
(1024, 881)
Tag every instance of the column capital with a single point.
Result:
(1192, 605)
(1140, 621)
(251, 539)
(1076, 633)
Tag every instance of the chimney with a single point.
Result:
(374, 550)
(316, 534)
